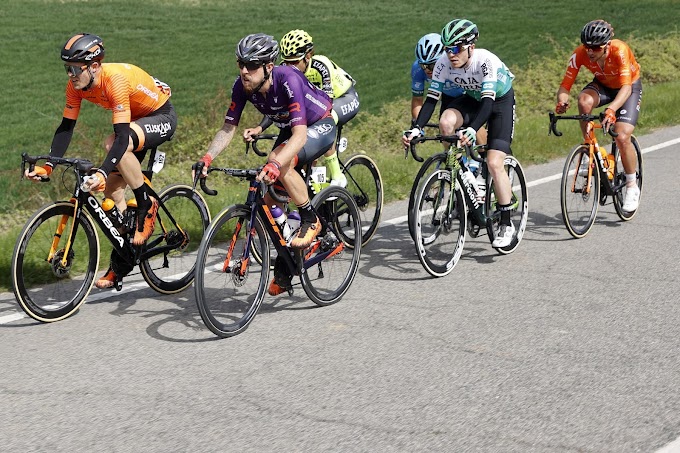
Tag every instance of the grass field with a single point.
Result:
(189, 44)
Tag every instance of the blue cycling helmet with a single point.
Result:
(429, 48)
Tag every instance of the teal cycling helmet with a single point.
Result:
(459, 32)
(429, 48)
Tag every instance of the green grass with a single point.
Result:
(189, 44)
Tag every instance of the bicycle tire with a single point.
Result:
(173, 271)
(520, 212)
(620, 178)
(227, 301)
(365, 183)
(429, 165)
(335, 274)
(440, 225)
(46, 291)
(579, 208)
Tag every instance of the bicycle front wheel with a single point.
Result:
(326, 281)
(366, 186)
(52, 270)
(431, 164)
(579, 194)
(172, 271)
(440, 223)
(620, 179)
(230, 285)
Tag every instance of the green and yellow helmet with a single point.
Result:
(295, 44)
(459, 32)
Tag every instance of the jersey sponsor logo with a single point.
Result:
(348, 108)
(323, 129)
(470, 82)
(105, 219)
(153, 95)
(485, 68)
(312, 133)
(232, 106)
(294, 107)
(572, 61)
(315, 101)
(119, 107)
(161, 129)
(288, 90)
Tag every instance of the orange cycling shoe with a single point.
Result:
(107, 281)
(275, 288)
(148, 225)
(308, 231)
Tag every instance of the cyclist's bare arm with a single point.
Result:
(221, 140)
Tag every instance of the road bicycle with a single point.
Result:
(448, 204)
(57, 253)
(591, 175)
(233, 272)
(364, 182)
(433, 162)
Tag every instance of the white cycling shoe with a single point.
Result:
(504, 236)
(631, 200)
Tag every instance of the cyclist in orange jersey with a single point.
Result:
(143, 118)
(616, 83)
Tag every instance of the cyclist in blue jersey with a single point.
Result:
(300, 110)
(488, 97)
(428, 51)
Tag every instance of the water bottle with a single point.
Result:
(294, 221)
(280, 219)
(109, 207)
(470, 178)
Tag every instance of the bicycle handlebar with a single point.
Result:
(254, 143)
(554, 118)
(472, 151)
(248, 174)
(82, 165)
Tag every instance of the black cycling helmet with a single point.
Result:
(597, 33)
(83, 48)
(257, 48)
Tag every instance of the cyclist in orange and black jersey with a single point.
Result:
(616, 83)
(143, 118)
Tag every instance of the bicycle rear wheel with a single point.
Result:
(579, 196)
(173, 270)
(440, 223)
(431, 163)
(327, 281)
(230, 285)
(620, 179)
(47, 288)
(520, 205)
(366, 186)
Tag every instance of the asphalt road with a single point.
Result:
(564, 346)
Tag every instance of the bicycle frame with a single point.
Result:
(133, 255)
(256, 203)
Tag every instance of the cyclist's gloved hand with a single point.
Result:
(39, 173)
(94, 183)
(609, 119)
(201, 167)
(561, 107)
(468, 136)
(410, 135)
(270, 172)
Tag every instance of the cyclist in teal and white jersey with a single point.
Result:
(489, 97)
(428, 51)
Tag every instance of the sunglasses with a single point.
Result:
(74, 71)
(456, 49)
(427, 67)
(594, 48)
(250, 66)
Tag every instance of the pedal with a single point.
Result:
(118, 285)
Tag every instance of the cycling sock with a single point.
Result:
(306, 213)
(631, 179)
(505, 213)
(333, 165)
(142, 196)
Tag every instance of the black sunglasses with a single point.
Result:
(427, 67)
(250, 66)
(74, 71)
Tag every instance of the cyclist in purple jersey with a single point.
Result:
(302, 111)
